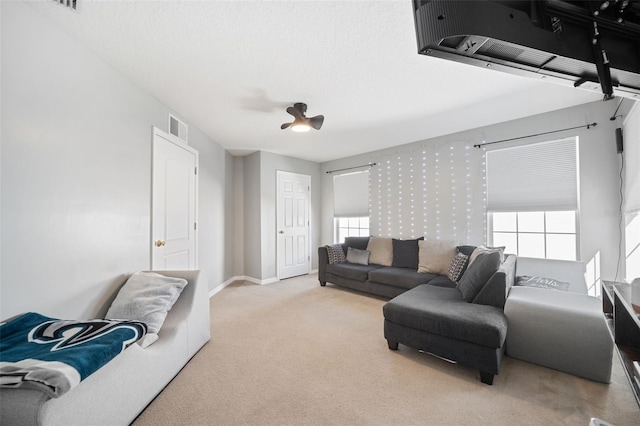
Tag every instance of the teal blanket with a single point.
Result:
(52, 355)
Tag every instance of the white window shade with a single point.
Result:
(535, 177)
(351, 194)
(631, 138)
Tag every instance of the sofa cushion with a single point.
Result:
(435, 256)
(352, 271)
(442, 311)
(405, 253)
(494, 292)
(441, 281)
(483, 250)
(457, 267)
(335, 254)
(477, 275)
(466, 249)
(381, 251)
(399, 277)
(359, 243)
(357, 256)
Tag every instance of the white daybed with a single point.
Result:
(119, 391)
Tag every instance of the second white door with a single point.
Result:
(174, 228)
(292, 212)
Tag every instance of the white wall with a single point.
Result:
(599, 181)
(76, 175)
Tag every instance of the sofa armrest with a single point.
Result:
(494, 292)
(323, 261)
(559, 329)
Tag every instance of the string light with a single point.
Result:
(424, 185)
(437, 194)
(424, 193)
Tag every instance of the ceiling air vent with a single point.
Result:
(178, 128)
(68, 3)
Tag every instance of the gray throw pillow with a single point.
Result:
(405, 253)
(540, 282)
(477, 275)
(357, 256)
(146, 297)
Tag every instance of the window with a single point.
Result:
(547, 234)
(532, 199)
(351, 227)
(351, 205)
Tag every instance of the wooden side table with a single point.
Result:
(624, 324)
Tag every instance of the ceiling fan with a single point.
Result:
(301, 123)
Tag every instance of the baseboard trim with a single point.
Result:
(222, 286)
(241, 278)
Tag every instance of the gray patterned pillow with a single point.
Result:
(335, 254)
(457, 267)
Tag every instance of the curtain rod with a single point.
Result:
(351, 168)
(588, 126)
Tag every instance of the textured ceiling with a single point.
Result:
(232, 67)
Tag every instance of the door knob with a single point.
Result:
(159, 243)
(281, 232)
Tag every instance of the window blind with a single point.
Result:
(351, 194)
(631, 140)
(540, 176)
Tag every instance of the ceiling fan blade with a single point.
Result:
(296, 114)
(316, 122)
(285, 125)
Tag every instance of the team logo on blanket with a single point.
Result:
(66, 334)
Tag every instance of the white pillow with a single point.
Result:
(381, 251)
(146, 297)
(434, 256)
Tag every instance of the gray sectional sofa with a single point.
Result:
(430, 312)
(385, 281)
(391, 281)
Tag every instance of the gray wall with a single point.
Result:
(259, 198)
(252, 223)
(270, 163)
(599, 171)
(76, 175)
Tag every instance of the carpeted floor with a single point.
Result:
(295, 353)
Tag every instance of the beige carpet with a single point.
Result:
(295, 353)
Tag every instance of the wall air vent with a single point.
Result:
(593, 45)
(68, 3)
(178, 128)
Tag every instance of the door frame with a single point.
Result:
(156, 133)
(308, 207)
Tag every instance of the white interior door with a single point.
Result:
(174, 204)
(292, 212)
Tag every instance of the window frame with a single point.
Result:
(336, 226)
(491, 232)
